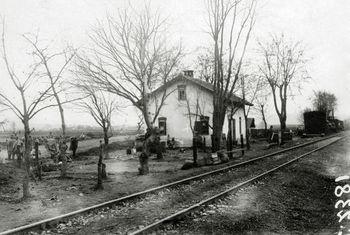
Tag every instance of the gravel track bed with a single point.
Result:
(290, 207)
(135, 214)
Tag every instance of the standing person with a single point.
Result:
(15, 148)
(62, 147)
(50, 135)
(10, 147)
(19, 151)
(270, 134)
(146, 151)
(73, 145)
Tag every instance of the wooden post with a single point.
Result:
(62, 152)
(204, 145)
(104, 173)
(38, 163)
(19, 159)
(194, 148)
(242, 145)
(229, 139)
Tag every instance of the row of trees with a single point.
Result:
(323, 101)
(130, 56)
(128, 59)
(279, 73)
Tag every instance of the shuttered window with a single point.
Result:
(182, 92)
(202, 126)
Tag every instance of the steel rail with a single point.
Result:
(61, 218)
(178, 214)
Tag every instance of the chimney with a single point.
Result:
(188, 73)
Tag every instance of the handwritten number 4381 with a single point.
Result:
(339, 191)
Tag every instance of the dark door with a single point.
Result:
(232, 129)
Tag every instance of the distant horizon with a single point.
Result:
(119, 127)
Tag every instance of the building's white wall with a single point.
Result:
(237, 114)
(176, 112)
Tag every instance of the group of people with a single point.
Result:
(15, 148)
(55, 146)
(58, 146)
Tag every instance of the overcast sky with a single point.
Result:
(323, 26)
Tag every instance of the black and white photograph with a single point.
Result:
(174, 117)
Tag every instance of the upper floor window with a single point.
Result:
(182, 92)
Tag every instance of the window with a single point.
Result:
(162, 125)
(182, 92)
(202, 126)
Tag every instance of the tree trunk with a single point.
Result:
(60, 108)
(26, 193)
(283, 128)
(63, 123)
(143, 158)
(147, 117)
(283, 124)
(99, 169)
(105, 136)
(218, 122)
(106, 141)
(264, 119)
(216, 138)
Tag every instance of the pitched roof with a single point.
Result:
(201, 83)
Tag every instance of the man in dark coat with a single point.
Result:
(73, 145)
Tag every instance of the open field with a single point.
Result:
(85, 147)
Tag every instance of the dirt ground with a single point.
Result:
(54, 196)
(300, 199)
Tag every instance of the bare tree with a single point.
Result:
(261, 107)
(131, 58)
(205, 65)
(251, 85)
(49, 61)
(27, 106)
(325, 101)
(283, 67)
(99, 105)
(230, 23)
(3, 124)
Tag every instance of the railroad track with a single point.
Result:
(195, 206)
(56, 220)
